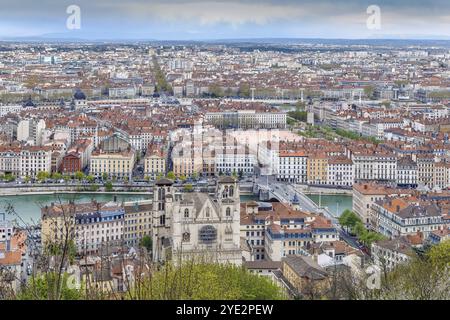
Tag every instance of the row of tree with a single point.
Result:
(353, 224)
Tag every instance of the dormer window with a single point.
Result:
(207, 213)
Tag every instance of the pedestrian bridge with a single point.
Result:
(286, 193)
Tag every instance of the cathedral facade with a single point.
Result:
(197, 225)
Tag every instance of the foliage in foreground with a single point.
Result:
(424, 277)
(197, 281)
(193, 281)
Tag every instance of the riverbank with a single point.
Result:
(315, 190)
(73, 192)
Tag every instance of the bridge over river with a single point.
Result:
(267, 189)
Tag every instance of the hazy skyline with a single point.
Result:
(201, 20)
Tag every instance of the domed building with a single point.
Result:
(79, 95)
(79, 99)
(29, 103)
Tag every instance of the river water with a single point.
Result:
(28, 207)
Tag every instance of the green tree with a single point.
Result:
(79, 175)
(42, 176)
(368, 91)
(146, 242)
(90, 178)
(104, 176)
(439, 255)
(216, 90)
(204, 281)
(244, 90)
(56, 176)
(171, 175)
(108, 186)
(43, 287)
(188, 187)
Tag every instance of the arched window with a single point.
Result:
(186, 213)
(161, 194)
(231, 192)
(207, 214)
(225, 192)
(228, 212)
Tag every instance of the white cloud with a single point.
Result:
(210, 13)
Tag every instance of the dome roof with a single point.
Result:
(79, 95)
(29, 103)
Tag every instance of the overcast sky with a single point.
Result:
(208, 19)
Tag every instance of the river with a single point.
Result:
(28, 206)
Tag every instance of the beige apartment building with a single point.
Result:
(155, 164)
(366, 194)
(115, 165)
(138, 217)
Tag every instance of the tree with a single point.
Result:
(216, 90)
(56, 176)
(9, 177)
(79, 175)
(439, 255)
(90, 178)
(188, 187)
(42, 176)
(194, 280)
(183, 178)
(42, 287)
(146, 242)
(244, 90)
(171, 175)
(368, 91)
(104, 176)
(108, 186)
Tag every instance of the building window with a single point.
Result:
(186, 213)
(228, 212)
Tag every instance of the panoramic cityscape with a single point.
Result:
(205, 167)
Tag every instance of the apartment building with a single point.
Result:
(116, 165)
(375, 166)
(247, 119)
(137, 221)
(316, 169)
(402, 216)
(292, 167)
(340, 171)
(155, 163)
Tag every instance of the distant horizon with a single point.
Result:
(210, 20)
(54, 38)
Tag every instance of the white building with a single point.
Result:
(375, 166)
(5, 109)
(340, 171)
(292, 167)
